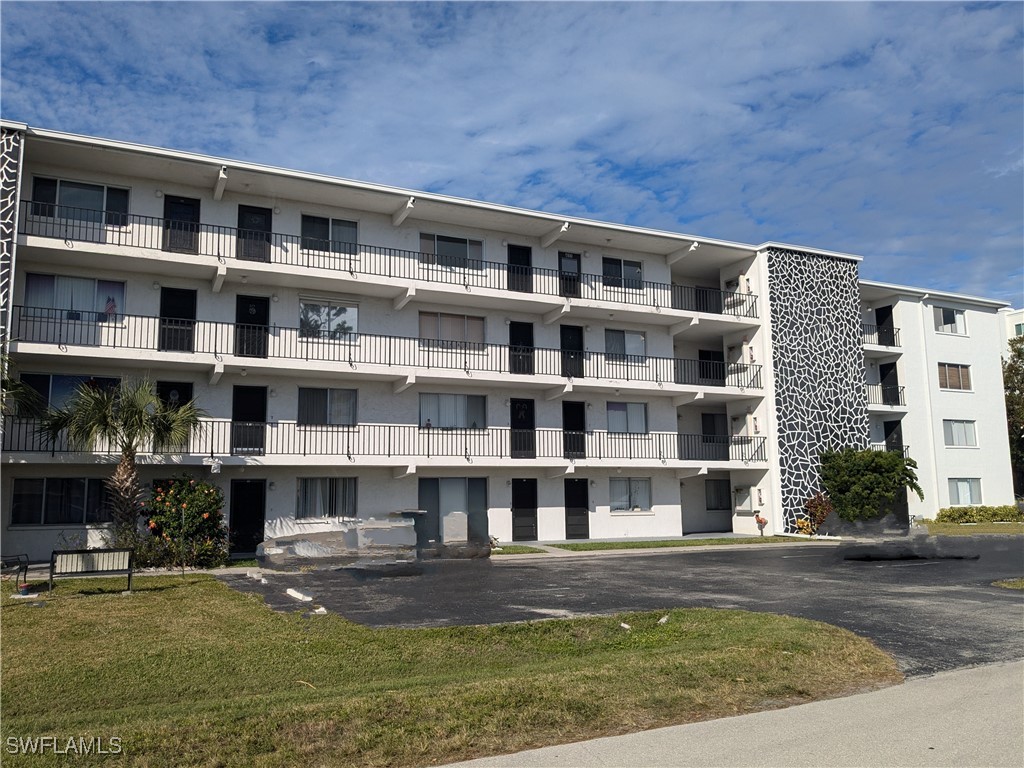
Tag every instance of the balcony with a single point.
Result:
(393, 444)
(349, 261)
(879, 335)
(65, 329)
(903, 450)
(885, 395)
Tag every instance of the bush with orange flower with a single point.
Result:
(187, 514)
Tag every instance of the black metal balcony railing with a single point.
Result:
(222, 437)
(880, 335)
(147, 232)
(885, 394)
(66, 328)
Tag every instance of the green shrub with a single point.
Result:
(186, 515)
(865, 485)
(1005, 514)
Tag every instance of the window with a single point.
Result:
(80, 202)
(959, 434)
(630, 493)
(325, 319)
(717, 495)
(451, 251)
(625, 345)
(59, 501)
(326, 497)
(950, 321)
(453, 411)
(453, 331)
(620, 273)
(327, 406)
(964, 491)
(1018, 329)
(76, 298)
(953, 376)
(334, 235)
(627, 417)
(56, 391)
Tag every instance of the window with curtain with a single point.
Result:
(325, 319)
(320, 233)
(630, 493)
(625, 346)
(73, 298)
(451, 251)
(627, 417)
(964, 491)
(950, 321)
(59, 501)
(959, 434)
(444, 411)
(326, 497)
(954, 376)
(452, 331)
(327, 406)
(717, 495)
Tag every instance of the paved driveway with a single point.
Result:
(932, 615)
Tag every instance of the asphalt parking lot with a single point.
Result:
(932, 615)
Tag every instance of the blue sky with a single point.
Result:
(894, 131)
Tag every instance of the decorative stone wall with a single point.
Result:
(820, 397)
(10, 158)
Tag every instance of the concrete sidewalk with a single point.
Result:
(969, 717)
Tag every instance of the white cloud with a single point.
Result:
(889, 130)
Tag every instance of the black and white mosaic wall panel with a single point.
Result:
(820, 398)
(10, 157)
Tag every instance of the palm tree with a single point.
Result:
(127, 417)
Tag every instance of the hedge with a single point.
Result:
(1005, 514)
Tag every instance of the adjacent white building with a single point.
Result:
(360, 350)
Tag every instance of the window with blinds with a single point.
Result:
(326, 497)
(327, 406)
(627, 417)
(629, 494)
(959, 434)
(448, 331)
(453, 411)
(954, 376)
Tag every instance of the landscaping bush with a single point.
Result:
(1005, 514)
(818, 508)
(185, 514)
(865, 485)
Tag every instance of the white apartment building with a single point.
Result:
(361, 350)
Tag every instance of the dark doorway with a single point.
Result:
(714, 436)
(524, 510)
(577, 509)
(524, 435)
(708, 300)
(569, 274)
(174, 394)
(177, 319)
(572, 351)
(890, 381)
(885, 329)
(181, 224)
(893, 435)
(254, 227)
(520, 268)
(248, 420)
(574, 430)
(252, 322)
(520, 352)
(711, 363)
(248, 512)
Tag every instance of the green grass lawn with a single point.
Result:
(1010, 584)
(517, 549)
(186, 671)
(955, 529)
(586, 546)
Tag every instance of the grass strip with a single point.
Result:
(517, 549)
(974, 529)
(1009, 584)
(188, 672)
(588, 546)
